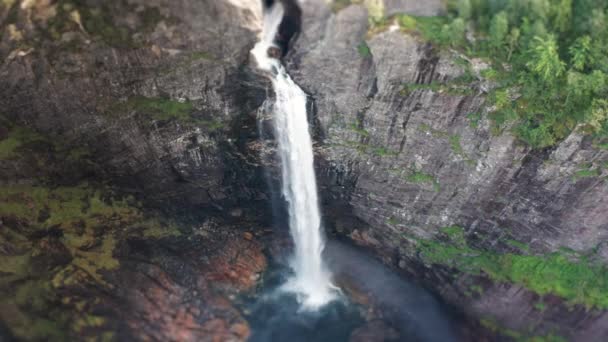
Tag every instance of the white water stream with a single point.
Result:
(311, 282)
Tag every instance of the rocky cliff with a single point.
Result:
(406, 142)
(121, 130)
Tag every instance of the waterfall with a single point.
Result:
(311, 281)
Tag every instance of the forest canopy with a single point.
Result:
(548, 57)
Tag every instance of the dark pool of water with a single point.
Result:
(410, 309)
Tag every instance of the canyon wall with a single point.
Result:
(406, 144)
(159, 98)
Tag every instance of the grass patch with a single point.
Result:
(456, 146)
(338, 5)
(419, 177)
(360, 131)
(518, 336)
(455, 234)
(586, 173)
(519, 245)
(17, 137)
(162, 109)
(474, 119)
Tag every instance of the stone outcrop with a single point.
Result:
(157, 91)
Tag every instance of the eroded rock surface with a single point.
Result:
(405, 141)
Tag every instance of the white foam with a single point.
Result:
(312, 281)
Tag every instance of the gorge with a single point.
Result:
(141, 183)
(299, 184)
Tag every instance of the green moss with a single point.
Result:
(34, 294)
(428, 28)
(364, 50)
(153, 229)
(586, 173)
(519, 245)
(540, 306)
(338, 5)
(17, 138)
(194, 56)
(161, 108)
(164, 109)
(474, 119)
(362, 132)
(418, 177)
(88, 321)
(577, 281)
(455, 234)
(34, 328)
(476, 289)
(80, 213)
(383, 152)
(456, 146)
(16, 264)
(392, 221)
(8, 147)
(518, 336)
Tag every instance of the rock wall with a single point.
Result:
(158, 91)
(159, 96)
(406, 143)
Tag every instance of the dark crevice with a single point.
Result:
(290, 25)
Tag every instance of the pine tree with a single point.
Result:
(499, 28)
(545, 59)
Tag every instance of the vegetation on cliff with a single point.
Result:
(59, 233)
(567, 274)
(548, 59)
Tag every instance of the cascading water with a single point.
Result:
(311, 281)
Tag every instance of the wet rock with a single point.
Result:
(374, 331)
(237, 265)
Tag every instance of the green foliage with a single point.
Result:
(518, 336)
(549, 60)
(499, 28)
(364, 50)
(580, 53)
(418, 177)
(455, 234)
(360, 131)
(456, 146)
(474, 119)
(586, 173)
(546, 62)
(337, 5)
(17, 137)
(161, 108)
(464, 9)
(576, 280)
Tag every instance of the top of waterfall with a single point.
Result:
(272, 20)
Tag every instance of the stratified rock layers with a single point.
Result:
(408, 148)
(155, 98)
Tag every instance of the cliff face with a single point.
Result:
(406, 142)
(108, 108)
(152, 89)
